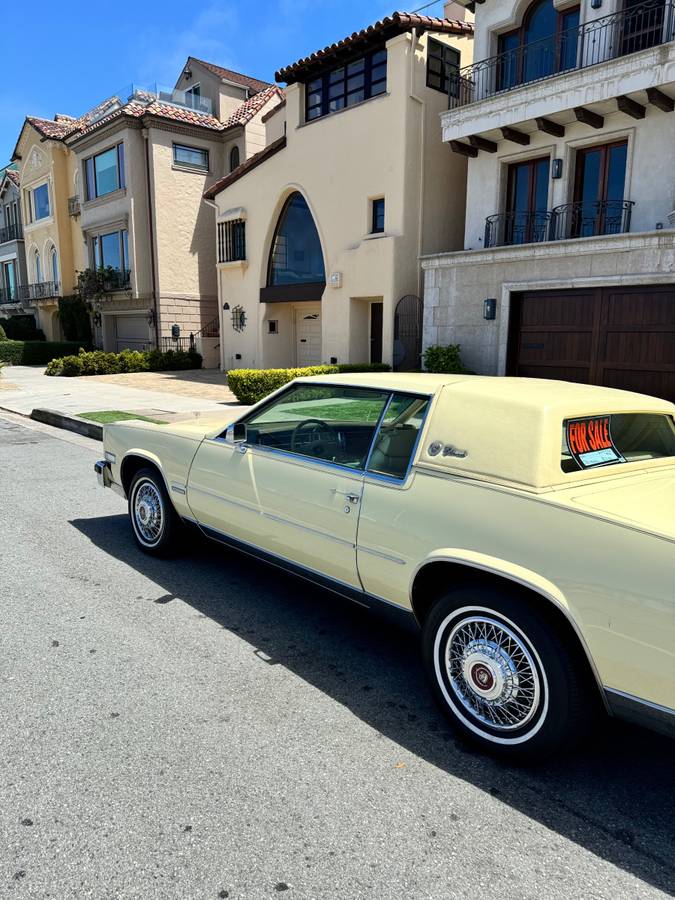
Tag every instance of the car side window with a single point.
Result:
(398, 434)
(331, 423)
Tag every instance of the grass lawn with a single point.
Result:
(106, 416)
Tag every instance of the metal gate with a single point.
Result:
(408, 334)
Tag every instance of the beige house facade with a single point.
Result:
(12, 252)
(319, 234)
(117, 195)
(48, 175)
(567, 120)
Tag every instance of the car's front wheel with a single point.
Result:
(502, 673)
(154, 520)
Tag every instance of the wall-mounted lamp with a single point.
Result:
(596, 4)
(490, 308)
(557, 168)
(226, 306)
(151, 317)
(97, 318)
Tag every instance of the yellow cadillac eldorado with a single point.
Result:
(525, 527)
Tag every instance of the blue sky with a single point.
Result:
(76, 54)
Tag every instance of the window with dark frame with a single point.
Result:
(234, 158)
(545, 43)
(231, 241)
(104, 172)
(111, 251)
(443, 63)
(358, 80)
(191, 157)
(377, 220)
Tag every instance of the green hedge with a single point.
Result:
(98, 362)
(250, 386)
(34, 353)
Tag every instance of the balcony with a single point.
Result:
(611, 37)
(99, 282)
(41, 290)
(8, 296)
(566, 222)
(11, 233)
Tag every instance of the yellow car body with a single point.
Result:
(484, 497)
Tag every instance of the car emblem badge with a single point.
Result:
(435, 448)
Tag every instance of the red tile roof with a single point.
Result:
(253, 84)
(251, 163)
(253, 105)
(48, 128)
(383, 30)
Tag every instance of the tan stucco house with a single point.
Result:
(12, 253)
(567, 270)
(122, 190)
(319, 234)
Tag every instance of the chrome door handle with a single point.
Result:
(353, 498)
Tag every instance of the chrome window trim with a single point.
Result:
(377, 431)
(392, 478)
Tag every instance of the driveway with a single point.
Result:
(206, 727)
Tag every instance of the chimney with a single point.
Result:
(454, 10)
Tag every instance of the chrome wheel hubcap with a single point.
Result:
(492, 673)
(148, 512)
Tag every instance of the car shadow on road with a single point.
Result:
(613, 797)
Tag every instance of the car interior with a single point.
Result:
(337, 424)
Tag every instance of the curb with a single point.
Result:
(69, 423)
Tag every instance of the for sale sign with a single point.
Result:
(590, 442)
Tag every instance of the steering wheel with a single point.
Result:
(309, 437)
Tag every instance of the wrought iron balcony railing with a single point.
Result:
(590, 219)
(647, 25)
(571, 220)
(11, 233)
(509, 229)
(41, 290)
(8, 296)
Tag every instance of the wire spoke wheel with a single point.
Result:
(491, 671)
(148, 512)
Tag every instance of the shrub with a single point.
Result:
(74, 318)
(98, 362)
(3, 336)
(363, 367)
(34, 353)
(444, 359)
(251, 385)
(22, 328)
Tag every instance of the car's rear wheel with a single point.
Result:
(508, 681)
(154, 520)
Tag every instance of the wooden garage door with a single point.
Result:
(618, 337)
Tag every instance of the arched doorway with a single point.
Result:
(408, 334)
(295, 282)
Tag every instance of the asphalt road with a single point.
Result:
(207, 727)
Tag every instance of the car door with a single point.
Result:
(221, 492)
(384, 560)
(308, 451)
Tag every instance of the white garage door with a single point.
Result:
(308, 336)
(131, 333)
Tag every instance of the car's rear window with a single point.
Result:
(590, 442)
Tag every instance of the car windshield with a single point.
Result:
(591, 442)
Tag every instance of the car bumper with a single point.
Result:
(105, 478)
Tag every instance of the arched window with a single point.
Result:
(38, 267)
(545, 43)
(234, 158)
(54, 265)
(296, 256)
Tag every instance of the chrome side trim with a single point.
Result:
(380, 555)
(400, 614)
(238, 503)
(323, 534)
(178, 488)
(641, 712)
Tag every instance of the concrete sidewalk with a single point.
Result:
(165, 395)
